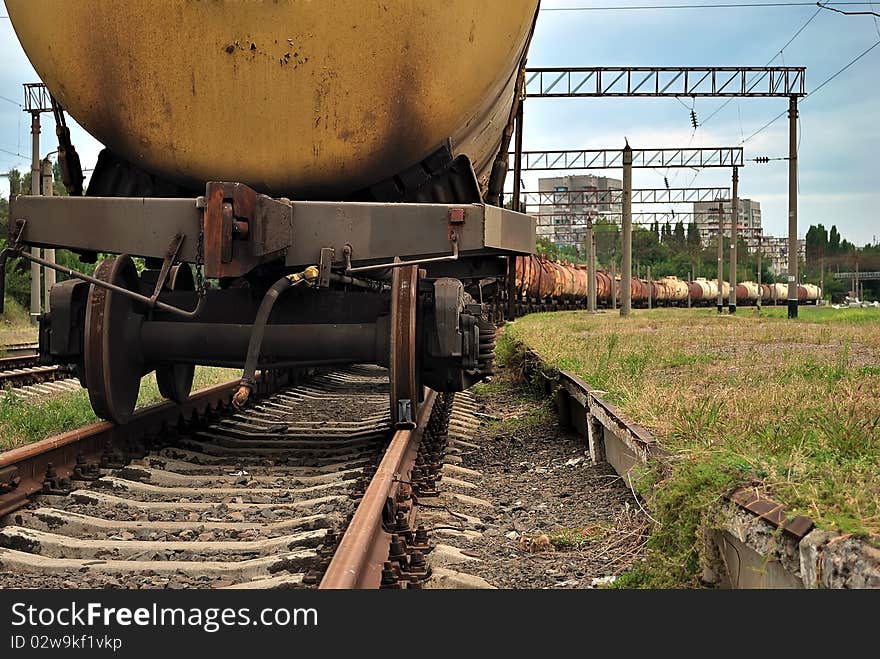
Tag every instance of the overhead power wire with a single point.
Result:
(815, 91)
(720, 5)
(13, 153)
(778, 53)
(848, 13)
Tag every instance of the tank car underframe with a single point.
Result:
(377, 288)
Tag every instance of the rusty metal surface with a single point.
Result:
(358, 560)
(355, 93)
(771, 511)
(113, 369)
(403, 365)
(375, 232)
(31, 461)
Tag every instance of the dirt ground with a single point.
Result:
(557, 520)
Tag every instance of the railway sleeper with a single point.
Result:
(66, 522)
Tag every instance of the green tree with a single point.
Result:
(678, 237)
(833, 240)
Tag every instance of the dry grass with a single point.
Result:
(794, 405)
(15, 325)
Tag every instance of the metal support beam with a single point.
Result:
(517, 159)
(792, 209)
(626, 260)
(692, 81)
(725, 156)
(143, 227)
(734, 221)
(561, 199)
(861, 276)
(579, 218)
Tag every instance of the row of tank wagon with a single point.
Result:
(542, 280)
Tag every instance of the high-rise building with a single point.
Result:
(774, 250)
(748, 221)
(562, 212)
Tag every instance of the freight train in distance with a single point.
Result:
(544, 285)
(307, 183)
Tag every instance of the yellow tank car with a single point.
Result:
(305, 98)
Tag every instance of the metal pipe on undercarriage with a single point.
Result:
(227, 344)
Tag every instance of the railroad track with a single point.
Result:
(20, 351)
(38, 380)
(266, 497)
(21, 369)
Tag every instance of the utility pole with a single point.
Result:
(626, 258)
(822, 276)
(516, 206)
(792, 209)
(36, 101)
(593, 280)
(591, 267)
(760, 289)
(650, 287)
(613, 279)
(734, 229)
(35, 190)
(48, 254)
(517, 159)
(720, 256)
(856, 283)
(689, 288)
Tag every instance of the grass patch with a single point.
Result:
(575, 539)
(791, 407)
(25, 422)
(15, 325)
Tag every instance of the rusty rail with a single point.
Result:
(358, 560)
(20, 376)
(23, 469)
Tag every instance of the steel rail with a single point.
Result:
(21, 361)
(22, 375)
(23, 469)
(357, 563)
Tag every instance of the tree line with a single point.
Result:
(669, 249)
(18, 285)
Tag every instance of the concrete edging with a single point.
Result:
(759, 545)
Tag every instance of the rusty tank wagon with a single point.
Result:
(543, 285)
(306, 184)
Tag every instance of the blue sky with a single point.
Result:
(839, 136)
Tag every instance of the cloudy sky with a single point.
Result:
(838, 180)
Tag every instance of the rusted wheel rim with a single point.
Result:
(175, 380)
(403, 377)
(113, 362)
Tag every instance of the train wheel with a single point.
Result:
(175, 380)
(405, 392)
(113, 364)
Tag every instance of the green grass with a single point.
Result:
(752, 399)
(23, 422)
